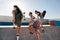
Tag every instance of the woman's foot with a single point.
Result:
(31, 32)
(42, 30)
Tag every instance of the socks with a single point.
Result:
(17, 37)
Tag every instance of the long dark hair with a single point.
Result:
(38, 12)
(30, 12)
(17, 8)
(44, 12)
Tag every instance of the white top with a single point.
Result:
(38, 17)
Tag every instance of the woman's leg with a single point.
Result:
(42, 29)
(38, 34)
(18, 30)
(31, 29)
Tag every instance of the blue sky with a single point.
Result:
(51, 6)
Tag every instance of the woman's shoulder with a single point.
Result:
(33, 17)
(13, 11)
(38, 17)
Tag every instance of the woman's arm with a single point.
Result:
(40, 22)
(33, 18)
(13, 17)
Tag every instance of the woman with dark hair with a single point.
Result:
(31, 22)
(17, 15)
(36, 25)
(42, 15)
(42, 18)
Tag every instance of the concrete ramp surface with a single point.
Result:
(51, 33)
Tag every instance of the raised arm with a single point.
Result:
(40, 22)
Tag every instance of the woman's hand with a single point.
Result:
(41, 23)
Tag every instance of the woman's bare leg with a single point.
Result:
(38, 34)
(31, 29)
(18, 30)
(42, 29)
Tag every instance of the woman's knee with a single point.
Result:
(38, 31)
